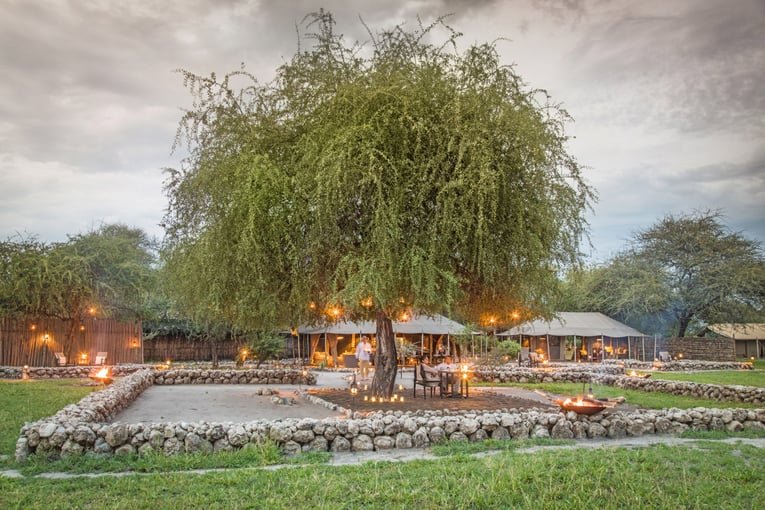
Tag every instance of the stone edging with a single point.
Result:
(83, 427)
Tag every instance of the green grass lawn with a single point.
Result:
(714, 475)
(725, 377)
(656, 400)
(710, 475)
(28, 401)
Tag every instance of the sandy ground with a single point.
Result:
(241, 403)
(216, 403)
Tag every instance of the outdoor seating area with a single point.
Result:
(450, 382)
(528, 359)
(427, 381)
(60, 359)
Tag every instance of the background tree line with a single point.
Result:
(675, 277)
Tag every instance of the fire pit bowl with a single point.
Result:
(638, 376)
(581, 405)
(102, 376)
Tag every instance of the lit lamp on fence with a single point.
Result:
(83, 358)
(25, 373)
(135, 344)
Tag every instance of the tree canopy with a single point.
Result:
(404, 175)
(683, 272)
(108, 271)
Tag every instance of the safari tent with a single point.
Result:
(581, 336)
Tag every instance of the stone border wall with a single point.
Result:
(74, 372)
(207, 375)
(683, 365)
(83, 428)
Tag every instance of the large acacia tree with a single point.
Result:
(683, 272)
(400, 176)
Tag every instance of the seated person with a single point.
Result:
(453, 378)
(430, 372)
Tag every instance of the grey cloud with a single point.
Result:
(696, 68)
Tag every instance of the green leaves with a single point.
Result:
(110, 268)
(412, 171)
(682, 272)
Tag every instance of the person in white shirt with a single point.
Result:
(363, 354)
(454, 378)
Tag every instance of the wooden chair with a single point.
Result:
(60, 358)
(421, 378)
(100, 358)
(533, 359)
(523, 358)
(664, 357)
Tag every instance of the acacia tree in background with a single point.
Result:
(108, 271)
(684, 271)
(405, 177)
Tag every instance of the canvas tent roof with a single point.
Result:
(586, 324)
(419, 324)
(751, 331)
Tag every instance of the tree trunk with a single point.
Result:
(685, 320)
(386, 364)
(213, 346)
(69, 342)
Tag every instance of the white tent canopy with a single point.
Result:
(339, 328)
(582, 324)
(418, 324)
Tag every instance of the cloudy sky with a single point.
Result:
(668, 97)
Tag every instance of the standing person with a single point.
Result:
(363, 354)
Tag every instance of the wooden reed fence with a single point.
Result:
(34, 341)
(181, 348)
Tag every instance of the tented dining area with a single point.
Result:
(334, 344)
